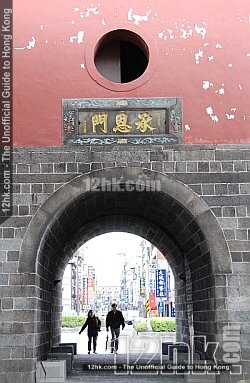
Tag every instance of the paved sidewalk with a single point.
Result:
(147, 344)
(79, 374)
(129, 341)
(142, 349)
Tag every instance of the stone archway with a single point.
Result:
(56, 203)
(171, 216)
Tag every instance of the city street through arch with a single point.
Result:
(179, 226)
(121, 268)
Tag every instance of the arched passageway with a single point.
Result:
(170, 216)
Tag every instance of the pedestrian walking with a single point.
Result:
(114, 320)
(94, 326)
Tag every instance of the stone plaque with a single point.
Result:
(133, 121)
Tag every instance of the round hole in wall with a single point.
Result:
(121, 56)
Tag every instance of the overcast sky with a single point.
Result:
(105, 253)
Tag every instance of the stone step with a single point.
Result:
(64, 349)
(183, 356)
(51, 371)
(69, 344)
(62, 356)
(165, 347)
(206, 378)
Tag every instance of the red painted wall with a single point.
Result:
(199, 50)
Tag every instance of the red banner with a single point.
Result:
(152, 301)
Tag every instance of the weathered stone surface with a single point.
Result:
(198, 214)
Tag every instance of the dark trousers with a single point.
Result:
(115, 332)
(94, 337)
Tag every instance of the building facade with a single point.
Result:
(105, 296)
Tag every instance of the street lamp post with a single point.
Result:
(77, 286)
(147, 285)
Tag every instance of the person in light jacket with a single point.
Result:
(114, 320)
(94, 326)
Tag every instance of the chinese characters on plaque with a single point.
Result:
(122, 121)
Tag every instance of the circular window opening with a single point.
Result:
(121, 56)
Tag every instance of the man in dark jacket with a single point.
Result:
(94, 325)
(114, 320)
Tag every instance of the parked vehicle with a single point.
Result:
(130, 321)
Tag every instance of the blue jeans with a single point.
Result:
(115, 332)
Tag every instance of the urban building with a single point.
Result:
(152, 139)
(130, 279)
(69, 289)
(78, 285)
(165, 304)
(138, 282)
(105, 296)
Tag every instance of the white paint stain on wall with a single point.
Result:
(30, 45)
(91, 10)
(220, 91)
(201, 30)
(210, 58)
(78, 37)
(239, 18)
(231, 115)
(187, 127)
(167, 34)
(207, 84)
(88, 11)
(218, 46)
(82, 66)
(41, 27)
(184, 30)
(198, 55)
(171, 36)
(138, 18)
(103, 22)
(211, 114)
(186, 33)
(240, 87)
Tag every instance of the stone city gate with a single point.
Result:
(194, 208)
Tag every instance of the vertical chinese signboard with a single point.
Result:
(152, 269)
(161, 283)
(85, 291)
(133, 121)
(142, 287)
(91, 285)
